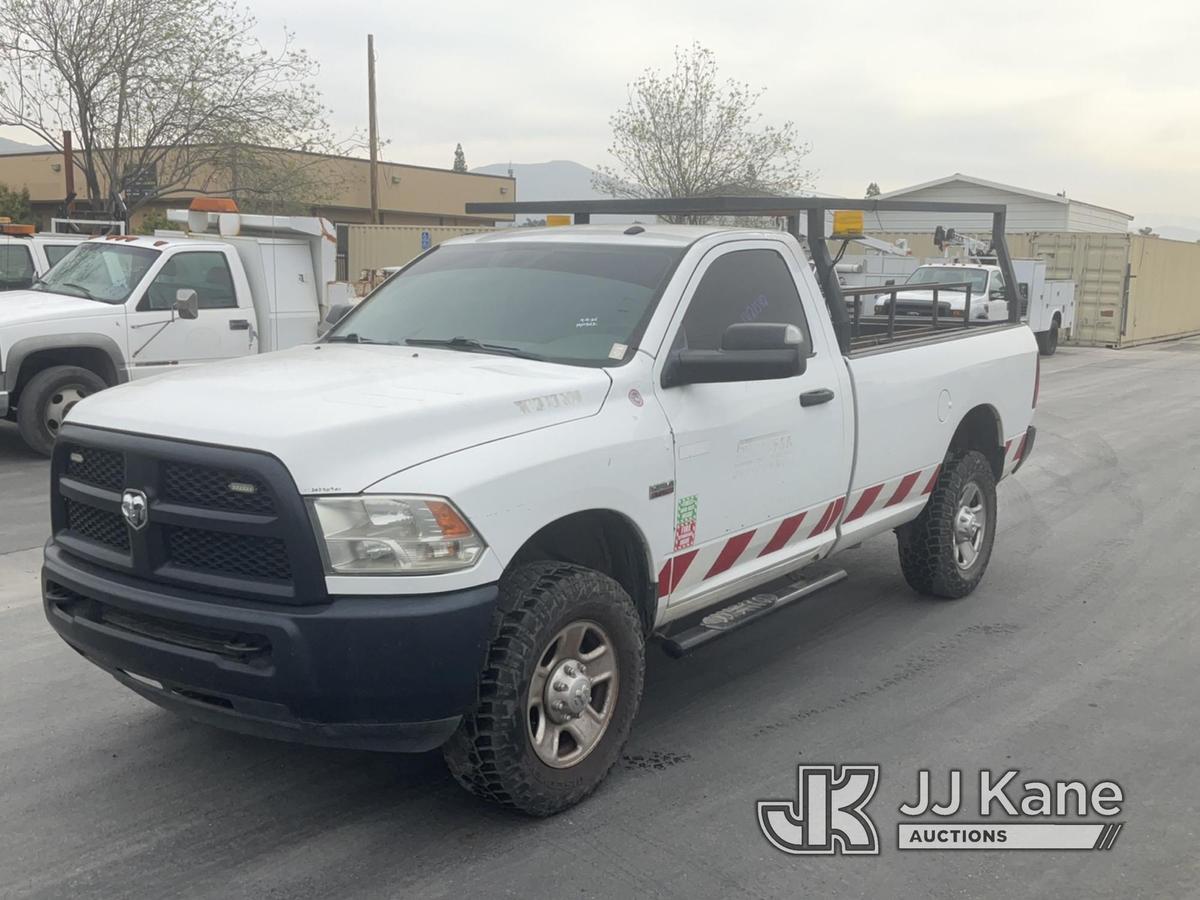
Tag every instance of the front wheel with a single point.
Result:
(559, 690)
(945, 550)
(46, 400)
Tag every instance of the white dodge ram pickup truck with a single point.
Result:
(458, 518)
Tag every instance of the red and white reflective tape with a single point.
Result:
(1014, 452)
(699, 564)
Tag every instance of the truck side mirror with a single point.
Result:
(750, 351)
(187, 303)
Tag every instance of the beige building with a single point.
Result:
(335, 187)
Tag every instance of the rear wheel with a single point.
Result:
(945, 551)
(559, 691)
(1048, 340)
(46, 400)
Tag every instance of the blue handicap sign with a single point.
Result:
(426, 240)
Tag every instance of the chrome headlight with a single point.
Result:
(376, 534)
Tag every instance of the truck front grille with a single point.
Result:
(222, 521)
(97, 525)
(215, 489)
(102, 468)
(231, 554)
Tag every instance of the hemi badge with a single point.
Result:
(76, 456)
(241, 487)
(662, 489)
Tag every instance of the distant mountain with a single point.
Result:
(559, 179)
(1177, 228)
(10, 146)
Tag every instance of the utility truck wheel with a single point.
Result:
(47, 399)
(1048, 340)
(558, 693)
(945, 550)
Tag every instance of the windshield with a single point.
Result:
(102, 271)
(950, 275)
(576, 304)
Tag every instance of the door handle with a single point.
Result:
(239, 325)
(817, 397)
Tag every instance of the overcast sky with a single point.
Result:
(1099, 98)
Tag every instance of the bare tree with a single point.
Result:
(161, 96)
(686, 133)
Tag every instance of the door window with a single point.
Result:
(998, 287)
(16, 267)
(55, 252)
(204, 271)
(743, 286)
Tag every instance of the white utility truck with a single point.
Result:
(119, 308)
(458, 518)
(27, 255)
(1048, 306)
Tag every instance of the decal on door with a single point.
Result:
(685, 522)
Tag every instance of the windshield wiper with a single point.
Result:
(80, 287)
(471, 345)
(354, 338)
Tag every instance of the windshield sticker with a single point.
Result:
(685, 522)
(549, 401)
(617, 351)
(587, 322)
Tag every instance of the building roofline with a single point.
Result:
(383, 162)
(1010, 188)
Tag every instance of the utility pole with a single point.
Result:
(69, 173)
(373, 129)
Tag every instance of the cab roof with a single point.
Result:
(650, 234)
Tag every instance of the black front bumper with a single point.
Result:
(381, 673)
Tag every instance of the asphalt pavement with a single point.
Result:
(1077, 658)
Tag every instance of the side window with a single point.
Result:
(16, 267)
(743, 286)
(55, 252)
(204, 271)
(998, 286)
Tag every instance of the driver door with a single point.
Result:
(760, 466)
(222, 328)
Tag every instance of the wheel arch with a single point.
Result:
(95, 352)
(601, 539)
(981, 429)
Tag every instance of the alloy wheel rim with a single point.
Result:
(970, 526)
(572, 694)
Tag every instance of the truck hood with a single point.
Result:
(341, 416)
(24, 307)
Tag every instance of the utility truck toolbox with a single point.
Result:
(458, 518)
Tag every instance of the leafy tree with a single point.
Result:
(687, 133)
(15, 204)
(873, 190)
(1147, 231)
(460, 159)
(159, 96)
(156, 219)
